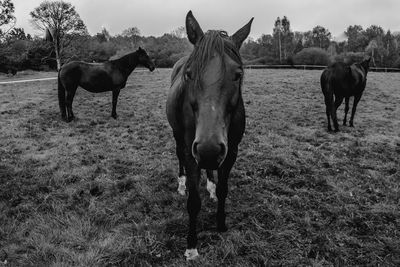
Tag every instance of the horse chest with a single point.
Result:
(118, 80)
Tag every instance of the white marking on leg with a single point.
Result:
(191, 254)
(211, 189)
(182, 185)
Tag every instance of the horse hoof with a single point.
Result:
(336, 130)
(114, 116)
(182, 185)
(191, 254)
(211, 189)
(69, 119)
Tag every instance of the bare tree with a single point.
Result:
(60, 21)
(371, 47)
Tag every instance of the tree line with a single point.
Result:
(66, 38)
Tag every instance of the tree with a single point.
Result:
(375, 35)
(287, 37)
(61, 22)
(6, 17)
(374, 32)
(332, 49)
(321, 37)
(390, 45)
(133, 34)
(18, 34)
(277, 32)
(356, 38)
(299, 46)
(308, 39)
(179, 32)
(372, 46)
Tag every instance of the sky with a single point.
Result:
(156, 17)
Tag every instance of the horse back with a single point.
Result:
(94, 77)
(346, 80)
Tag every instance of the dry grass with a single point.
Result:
(102, 192)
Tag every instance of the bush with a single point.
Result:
(396, 64)
(350, 57)
(311, 56)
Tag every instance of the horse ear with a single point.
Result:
(140, 49)
(193, 29)
(241, 35)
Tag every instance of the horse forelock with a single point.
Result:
(211, 42)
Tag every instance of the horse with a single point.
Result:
(97, 77)
(206, 113)
(340, 81)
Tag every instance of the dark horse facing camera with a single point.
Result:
(341, 81)
(206, 113)
(96, 78)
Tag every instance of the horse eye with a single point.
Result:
(238, 76)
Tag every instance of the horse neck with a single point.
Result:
(128, 63)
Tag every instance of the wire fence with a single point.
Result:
(312, 67)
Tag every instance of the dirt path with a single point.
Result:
(30, 80)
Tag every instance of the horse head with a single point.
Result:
(213, 75)
(365, 64)
(144, 59)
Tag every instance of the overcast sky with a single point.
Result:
(155, 17)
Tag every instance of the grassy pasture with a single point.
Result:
(102, 192)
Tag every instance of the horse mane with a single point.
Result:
(124, 62)
(202, 53)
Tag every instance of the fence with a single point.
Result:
(312, 67)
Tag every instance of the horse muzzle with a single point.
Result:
(150, 66)
(209, 155)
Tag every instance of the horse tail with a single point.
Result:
(61, 97)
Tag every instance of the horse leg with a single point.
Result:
(115, 94)
(211, 185)
(353, 110)
(69, 99)
(222, 187)
(336, 104)
(180, 153)
(346, 109)
(328, 104)
(193, 205)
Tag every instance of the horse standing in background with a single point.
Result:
(340, 81)
(206, 113)
(96, 78)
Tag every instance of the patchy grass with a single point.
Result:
(102, 192)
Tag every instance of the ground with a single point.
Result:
(103, 192)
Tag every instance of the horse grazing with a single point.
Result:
(206, 113)
(340, 81)
(97, 77)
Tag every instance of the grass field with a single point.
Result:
(102, 192)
